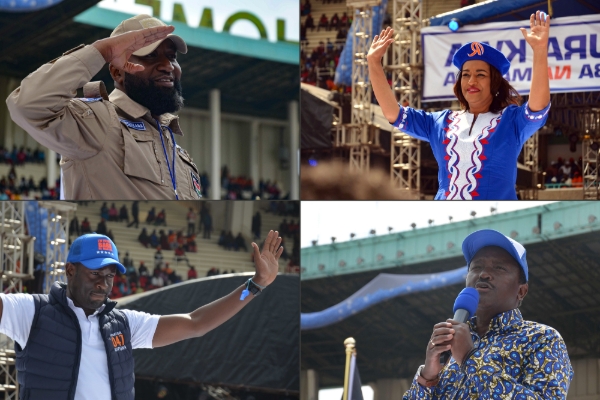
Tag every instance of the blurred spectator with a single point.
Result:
(144, 239)
(113, 213)
(161, 218)
(323, 23)
(104, 211)
(101, 228)
(180, 254)
(143, 269)
(154, 243)
(85, 226)
(334, 23)
(134, 213)
(310, 22)
(74, 227)
(239, 243)
(111, 236)
(192, 274)
(123, 214)
(164, 240)
(151, 216)
(207, 224)
(190, 244)
(158, 258)
(191, 220)
(256, 224)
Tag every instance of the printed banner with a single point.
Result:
(573, 54)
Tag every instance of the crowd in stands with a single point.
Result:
(13, 188)
(21, 156)
(242, 187)
(564, 173)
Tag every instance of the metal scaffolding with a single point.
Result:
(16, 256)
(57, 236)
(406, 67)
(591, 153)
(359, 138)
(530, 160)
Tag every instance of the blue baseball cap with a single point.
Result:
(94, 251)
(489, 237)
(481, 51)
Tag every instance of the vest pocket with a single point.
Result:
(192, 177)
(141, 157)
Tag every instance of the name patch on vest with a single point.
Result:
(138, 126)
(90, 99)
(118, 341)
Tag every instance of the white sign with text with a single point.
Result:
(573, 54)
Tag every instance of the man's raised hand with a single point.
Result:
(117, 49)
(267, 260)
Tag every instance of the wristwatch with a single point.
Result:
(426, 382)
(253, 288)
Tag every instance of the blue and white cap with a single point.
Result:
(481, 51)
(94, 251)
(489, 237)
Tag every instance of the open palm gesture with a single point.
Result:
(540, 30)
(380, 44)
(267, 260)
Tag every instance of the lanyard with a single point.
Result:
(171, 170)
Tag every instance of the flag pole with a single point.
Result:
(349, 343)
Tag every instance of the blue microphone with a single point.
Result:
(465, 306)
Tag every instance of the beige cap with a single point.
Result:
(143, 21)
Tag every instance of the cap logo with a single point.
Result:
(477, 49)
(150, 22)
(104, 244)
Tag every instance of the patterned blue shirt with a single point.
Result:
(477, 160)
(515, 359)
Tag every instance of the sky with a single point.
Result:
(323, 219)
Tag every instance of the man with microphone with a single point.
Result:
(496, 353)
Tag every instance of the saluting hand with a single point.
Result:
(380, 44)
(117, 49)
(267, 260)
(540, 31)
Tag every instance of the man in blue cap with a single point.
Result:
(74, 345)
(477, 147)
(496, 354)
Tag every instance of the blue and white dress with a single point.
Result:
(477, 161)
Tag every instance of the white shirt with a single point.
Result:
(92, 382)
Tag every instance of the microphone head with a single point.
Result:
(468, 299)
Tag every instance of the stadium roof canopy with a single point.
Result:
(391, 337)
(257, 349)
(515, 10)
(256, 77)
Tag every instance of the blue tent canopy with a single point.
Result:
(515, 10)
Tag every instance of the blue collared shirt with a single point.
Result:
(515, 359)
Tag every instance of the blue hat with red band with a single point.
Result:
(489, 237)
(94, 251)
(483, 52)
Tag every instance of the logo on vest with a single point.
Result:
(196, 185)
(118, 341)
(138, 126)
(477, 49)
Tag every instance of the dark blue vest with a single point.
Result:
(48, 367)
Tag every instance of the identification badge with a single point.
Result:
(196, 185)
(138, 126)
(89, 99)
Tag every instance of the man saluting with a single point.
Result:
(121, 146)
(74, 345)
